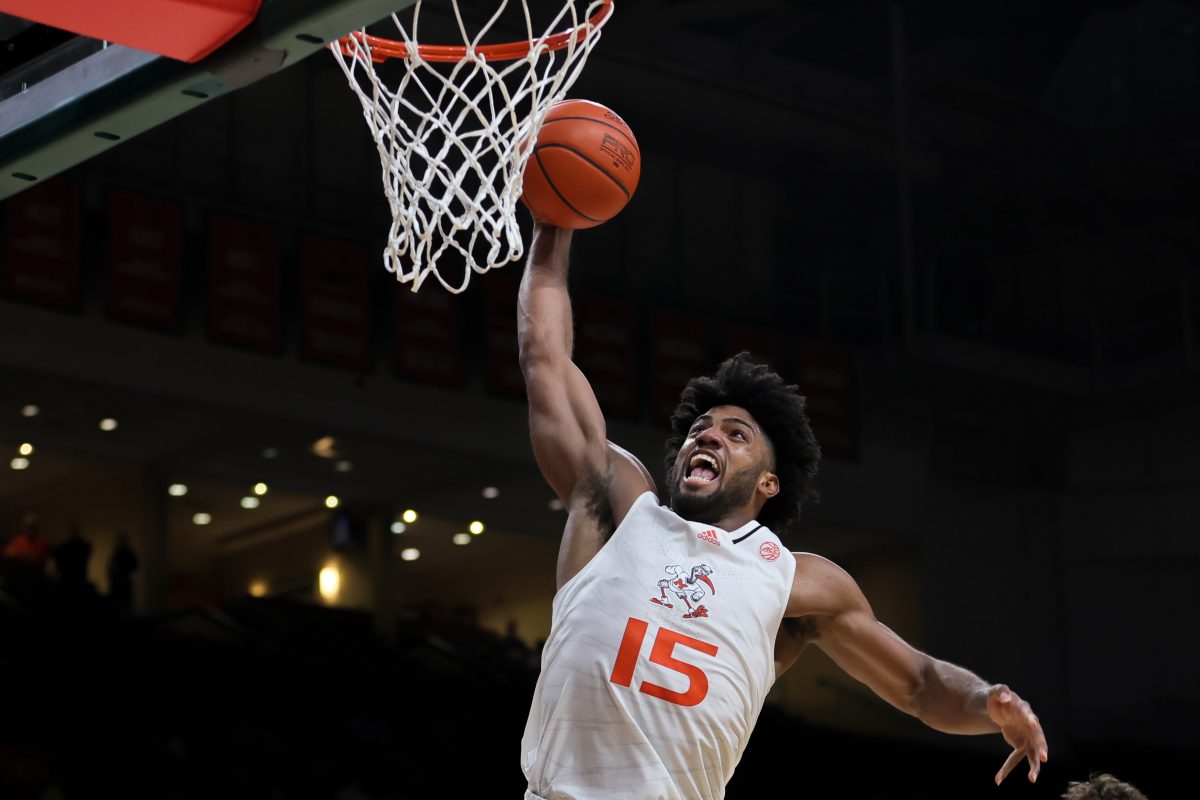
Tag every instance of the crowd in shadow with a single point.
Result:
(283, 699)
(35, 570)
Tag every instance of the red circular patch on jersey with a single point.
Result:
(769, 551)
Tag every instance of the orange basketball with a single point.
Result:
(584, 167)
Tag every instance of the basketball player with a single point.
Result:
(671, 622)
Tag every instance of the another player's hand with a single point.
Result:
(1020, 728)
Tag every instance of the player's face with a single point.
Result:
(719, 464)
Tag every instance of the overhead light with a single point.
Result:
(399, 527)
(329, 583)
(332, 501)
(200, 518)
(556, 505)
(30, 410)
(409, 516)
(325, 447)
(491, 492)
(249, 502)
(260, 489)
(108, 424)
(461, 538)
(343, 466)
(476, 527)
(258, 589)
(19, 463)
(26, 449)
(410, 554)
(270, 452)
(177, 489)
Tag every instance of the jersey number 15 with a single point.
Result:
(664, 644)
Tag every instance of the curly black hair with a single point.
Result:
(778, 408)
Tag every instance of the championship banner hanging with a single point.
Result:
(335, 303)
(145, 261)
(243, 290)
(41, 245)
(606, 351)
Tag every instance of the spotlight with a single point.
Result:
(410, 554)
(409, 516)
(200, 518)
(475, 527)
(461, 538)
(108, 424)
(177, 489)
(332, 501)
(30, 410)
(491, 492)
(260, 489)
(19, 463)
(26, 449)
(249, 502)
(399, 527)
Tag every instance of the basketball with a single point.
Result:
(584, 167)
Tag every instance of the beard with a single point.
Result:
(734, 493)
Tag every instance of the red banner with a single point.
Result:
(606, 352)
(679, 351)
(826, 375)
(243, 291)
(335, 303)
(41, 245)
(145, 261)
(429, 335)
(502, 375)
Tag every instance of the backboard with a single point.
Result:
(65, 97)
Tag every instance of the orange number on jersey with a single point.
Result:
(661, 653)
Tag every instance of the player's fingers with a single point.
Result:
(1035, 765)
(1013, 759)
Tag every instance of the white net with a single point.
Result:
(452, 135)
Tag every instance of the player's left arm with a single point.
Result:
(944, 696)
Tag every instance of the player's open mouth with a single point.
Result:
(702, 470)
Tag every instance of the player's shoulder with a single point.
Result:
(628, 479)
(820, 586)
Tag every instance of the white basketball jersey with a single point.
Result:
(660, 655)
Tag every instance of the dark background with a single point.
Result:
(968, 230)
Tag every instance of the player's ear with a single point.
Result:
(768, 484)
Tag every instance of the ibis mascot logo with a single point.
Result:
(688, 587)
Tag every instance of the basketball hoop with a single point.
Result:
(452, 136)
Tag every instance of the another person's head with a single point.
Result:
(1102, 787)
(741, 439)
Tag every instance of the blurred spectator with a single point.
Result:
(71, 560)
(30, 546)
(121, 565)
(1102, 787)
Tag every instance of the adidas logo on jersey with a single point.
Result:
(710, 537)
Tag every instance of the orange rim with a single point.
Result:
(382, 49)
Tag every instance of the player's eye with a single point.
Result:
(739, 434)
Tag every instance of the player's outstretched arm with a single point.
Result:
(942, 695)
(565, 421)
